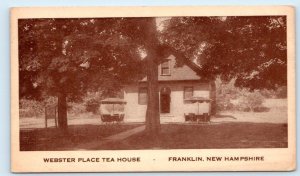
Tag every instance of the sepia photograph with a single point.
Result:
(157, 83)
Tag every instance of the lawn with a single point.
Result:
(230, 129)
(210, 136)
(51, 139)
(275, 112)
(173, 136)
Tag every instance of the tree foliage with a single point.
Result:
(68, 57)
(253, 49)
(69, 54)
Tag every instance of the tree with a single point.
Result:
(252, 49)
(67, 57)
(151, 45)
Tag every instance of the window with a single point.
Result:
(165, 68)
(142, 96)
(188, 92)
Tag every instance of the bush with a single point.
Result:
(281, 92)
(223, 102)
(76, 108)
(230, 97)
(92, 105)
(50, 101)
(31, 108)
(35, 108)
(252, 101)
(225, 92)
(268, 93)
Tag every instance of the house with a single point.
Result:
(177, 84)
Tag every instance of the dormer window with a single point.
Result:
(165, 68)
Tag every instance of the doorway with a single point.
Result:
(165, 100)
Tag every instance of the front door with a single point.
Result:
(165, 100)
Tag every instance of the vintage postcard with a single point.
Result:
(141, 89)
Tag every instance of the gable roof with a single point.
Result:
(182, 72)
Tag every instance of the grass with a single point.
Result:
(51, 139)
(213, 136)
(231, 129)
(173, 136)
(277, 113)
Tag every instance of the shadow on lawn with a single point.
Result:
(52, 139)
(209, 136)
(262, 109)
(173, 136)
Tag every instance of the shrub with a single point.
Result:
(35, 108)
(224, 103)
(31, 108)
(252, 101)
(230, 97)
(92, 105)
(50, 101)
(281, 92)
(225, 92)
(268, 93)
(76, 108)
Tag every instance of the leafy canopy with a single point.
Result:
(76, 55)
(251, 49)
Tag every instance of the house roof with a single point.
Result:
(182, 72)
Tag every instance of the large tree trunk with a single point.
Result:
(152, 114)
(213, 105)
(62, 112)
